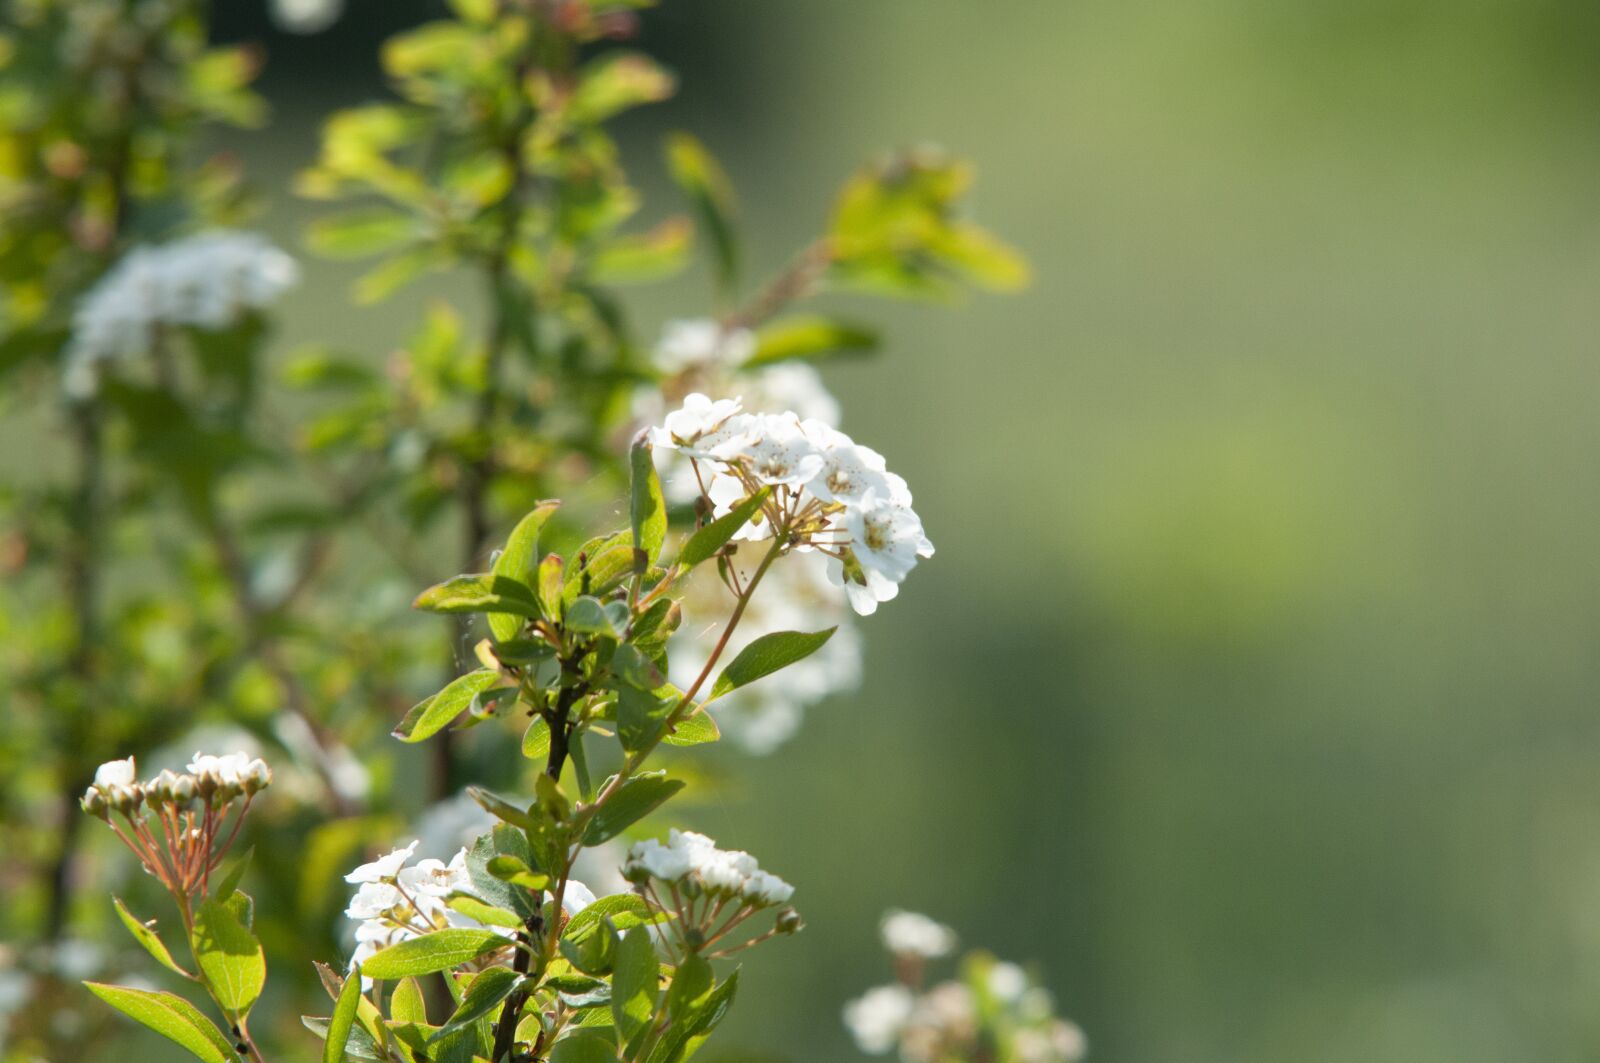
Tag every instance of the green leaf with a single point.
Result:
(615, 82)
(146, 936)
(500, 808)
(503, 841)
(552, 574)
(811, 337)
(594, 617)
(172, 1017)
(647, 508)
(640, 715)
(394, 273)
(602, 572)
(521, 652)
(766, 655)
(692, 983)
(649, 256)
(487, 914)
(430, 953)
(584, 1046)
(694, 730)
(359, 1045)
(517, 561)
(485, 993)
(685, 1035)
(704, 543)
(710, 192)
(343, 1018)
(408, 1004)
(635, 982)
(508, 868)
(623, 910)
(634, 800)
(229, 955)
(230, 878)
(432, 715)
(480, 593)
(536, 739)
(361, 232)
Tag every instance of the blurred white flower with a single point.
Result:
(876, 1018)
(306, 16)
(913, 934)
(1007, 982)
(208, 281)
(699, 342)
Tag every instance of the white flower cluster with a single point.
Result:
(995, 1003)
(703, 355)
(914, 934)
(207, 281)
(692, 863)
(214, 779)
(832, 494)
(396, 902)
(795, 596)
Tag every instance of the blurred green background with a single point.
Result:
(1252, 692)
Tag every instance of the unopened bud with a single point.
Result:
(789, 922)
(257, 777)
(161, 789)
(125, 799)
(94, 803)
(184, 790)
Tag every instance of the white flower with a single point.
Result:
(864, 597)
(665, 862)
(207, 281)
(876, 1018)
(435, 878)
(115, 773)
(1007, 982)
(306, 16)
(383, 869)
(372, 900)
(701, 427)
(849, 470)
(767, 888)
(792, 386)
(778, 451)
(912, 934)
(576, 897)
(702, 342)
(886, 538)
(692, 856)
(230, 769)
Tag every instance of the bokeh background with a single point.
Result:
(1253, 691)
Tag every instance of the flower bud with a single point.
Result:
(162, 789)
(125, 799)
(257, 777)
(94, 803)
(789, 922)
(184, 790)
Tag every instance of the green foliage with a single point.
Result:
(170, 1016)
(230, 958)
(343, 1021)
(766, 655)
(431, 953)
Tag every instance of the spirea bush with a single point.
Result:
(227, 560)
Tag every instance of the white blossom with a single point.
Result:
(116, 773)
(886, 538)
(1007, 982)
(876, 1018)
(306, 16)
(701, 342)
(694, 859)
(372, 900)
(383, 869)
(913, 934)
(208, 281)
(229, 769)
(776, 450)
